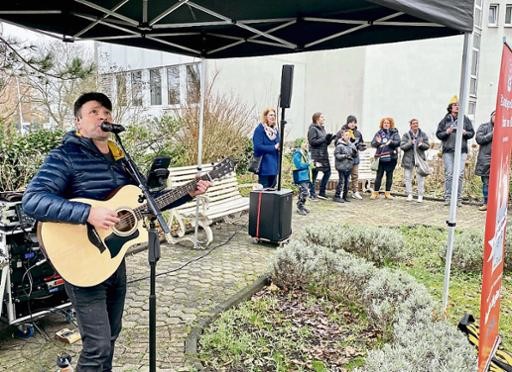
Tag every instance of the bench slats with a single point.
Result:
(366, 175)
(222, 199)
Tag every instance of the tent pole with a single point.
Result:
(202, 84)
(452, 218)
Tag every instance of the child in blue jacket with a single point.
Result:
(301, 173)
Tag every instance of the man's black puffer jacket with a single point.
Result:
(75, 169)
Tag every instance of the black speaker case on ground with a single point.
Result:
(270, 215)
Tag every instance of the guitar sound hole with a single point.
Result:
(127, 222)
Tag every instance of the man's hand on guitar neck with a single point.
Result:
(201, 188)
(103, 218)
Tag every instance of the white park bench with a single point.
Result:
(366, 175)
(222, 201)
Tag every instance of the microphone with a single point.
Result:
(111, 127)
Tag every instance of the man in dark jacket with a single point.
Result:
(446, 132)
(88, 165)
(483, 161)
(318, 141)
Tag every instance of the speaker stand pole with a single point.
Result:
(281, 145)
(153, 257)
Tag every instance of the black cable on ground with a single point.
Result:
(189, 261)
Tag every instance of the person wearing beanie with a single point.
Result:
(301, 166)
(356, 138)
(483, 161)
(446, 132)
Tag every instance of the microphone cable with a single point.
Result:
(195, 259)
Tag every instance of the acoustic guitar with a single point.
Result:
(86, 256)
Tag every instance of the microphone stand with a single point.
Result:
(153, 248)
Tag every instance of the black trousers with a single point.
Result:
(323, 183)
(99, 312)
(388, 168)
(343, 179)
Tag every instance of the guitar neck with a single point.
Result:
(171, 196)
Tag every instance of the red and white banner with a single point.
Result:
(496, 221)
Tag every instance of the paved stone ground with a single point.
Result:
(188, 294)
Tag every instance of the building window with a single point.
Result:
(173, 85)
(508, 15)
(478, 17)
(137, 88)
(472, 86)
(155, 86)
(474, 63)
(476, 40)
(193, 83)
(471, 108)
(121, 89)
(106, 85)
(493, 15)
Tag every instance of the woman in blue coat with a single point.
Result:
(266, 144)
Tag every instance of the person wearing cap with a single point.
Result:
(88, 165)
(356, 138)
(483, 161)
(446, 132)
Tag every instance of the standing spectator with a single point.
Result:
(446, 132)
(344, 155)
(415, 140)
(302, 173)
(483, 161)
(318, 141)
(356, 138)
(265, 141)
(386, 141)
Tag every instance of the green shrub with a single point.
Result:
(424, 347)
(385, 293)
(145, 141)
(468, 251)
(393, 301)
(296, 265)
(21, 156)
(376, 244)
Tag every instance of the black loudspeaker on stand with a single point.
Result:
(270, 211)
(286, 86)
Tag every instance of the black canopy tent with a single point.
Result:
(242, 28)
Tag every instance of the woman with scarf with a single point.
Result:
(386, 141)
(265, 142)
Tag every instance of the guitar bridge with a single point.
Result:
(95, 238)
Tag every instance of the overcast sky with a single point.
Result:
(23, 34)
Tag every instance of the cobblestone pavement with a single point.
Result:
(186, 295)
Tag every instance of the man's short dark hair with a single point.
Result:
(91, 96)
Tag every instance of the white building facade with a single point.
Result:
(403, 80)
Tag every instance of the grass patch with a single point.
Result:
(464, 296)
(282, 331)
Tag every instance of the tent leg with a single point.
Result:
(452, 218)
(202, 82)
